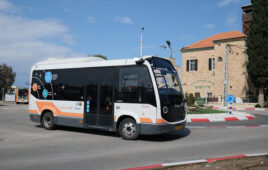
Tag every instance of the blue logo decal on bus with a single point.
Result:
(45, 93)
(48, 77)
(87, 106)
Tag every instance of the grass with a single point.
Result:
(205, 111)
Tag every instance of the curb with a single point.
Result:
(225, 127)
(241, 108)
(213, 118)
(207, 160)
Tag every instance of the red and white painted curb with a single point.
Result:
(219, 117)
(241, 108)
(225, 127)
(208, 160)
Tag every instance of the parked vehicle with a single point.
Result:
(22, 96)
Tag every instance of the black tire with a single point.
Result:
(128, 129)
(47, 121)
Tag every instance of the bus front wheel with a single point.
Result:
(47, 121)
(128, 129)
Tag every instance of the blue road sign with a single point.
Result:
(230, 99)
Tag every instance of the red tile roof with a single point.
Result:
(208, 42)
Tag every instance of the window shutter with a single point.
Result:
(196, 65)
(187, 65)
(209, 64)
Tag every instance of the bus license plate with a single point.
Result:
(178, 127)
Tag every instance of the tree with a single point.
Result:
(257, 47)
(7, 76)
(189, 99)
(99, 55)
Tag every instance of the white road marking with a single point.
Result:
(185, 162)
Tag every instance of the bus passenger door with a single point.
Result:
(91, 97)
(106, 98)
(99, 97)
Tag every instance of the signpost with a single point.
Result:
(230, 99)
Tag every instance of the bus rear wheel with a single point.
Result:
(128, 129)
(47, 121)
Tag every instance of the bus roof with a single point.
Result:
(83, 62)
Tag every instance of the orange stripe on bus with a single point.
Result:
(146, 120)
(50, 106)
(114, 117)
(33, 111)
(161, 121)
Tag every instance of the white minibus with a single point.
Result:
(129, 96)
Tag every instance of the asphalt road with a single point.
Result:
(25, 145)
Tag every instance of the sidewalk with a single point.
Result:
(219, 117)
(241, 108)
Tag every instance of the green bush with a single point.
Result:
(201, 101)
(189, 99)
(257, 105)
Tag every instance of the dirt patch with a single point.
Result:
(1, 140)
(246, 163)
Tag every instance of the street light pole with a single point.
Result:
(168, 43)
(226, 74)
(142, 28)
(206, 89)
(3, 94)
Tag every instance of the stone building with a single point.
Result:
(246, 18)
(203, 66)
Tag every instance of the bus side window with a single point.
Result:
(135, 86)
(128, 85)
(147, 90)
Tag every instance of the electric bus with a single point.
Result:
(22, 96)
(140, 96)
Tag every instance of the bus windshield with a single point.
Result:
(170, 90)
(166, 76)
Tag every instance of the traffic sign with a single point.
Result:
(230, 99)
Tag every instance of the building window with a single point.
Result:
(209, 95)
(219, 59)
(197, 95)
(211, 64)
(192, 65)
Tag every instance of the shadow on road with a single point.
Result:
(82, 130)
(167, 136)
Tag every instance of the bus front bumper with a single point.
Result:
(35, 118)
(154, 129)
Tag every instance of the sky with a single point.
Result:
(35, 30)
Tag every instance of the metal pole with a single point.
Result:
(169, 46)
(226, 73)
(3, 94)
(206, 89)
(141, 40)
(170, 52)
